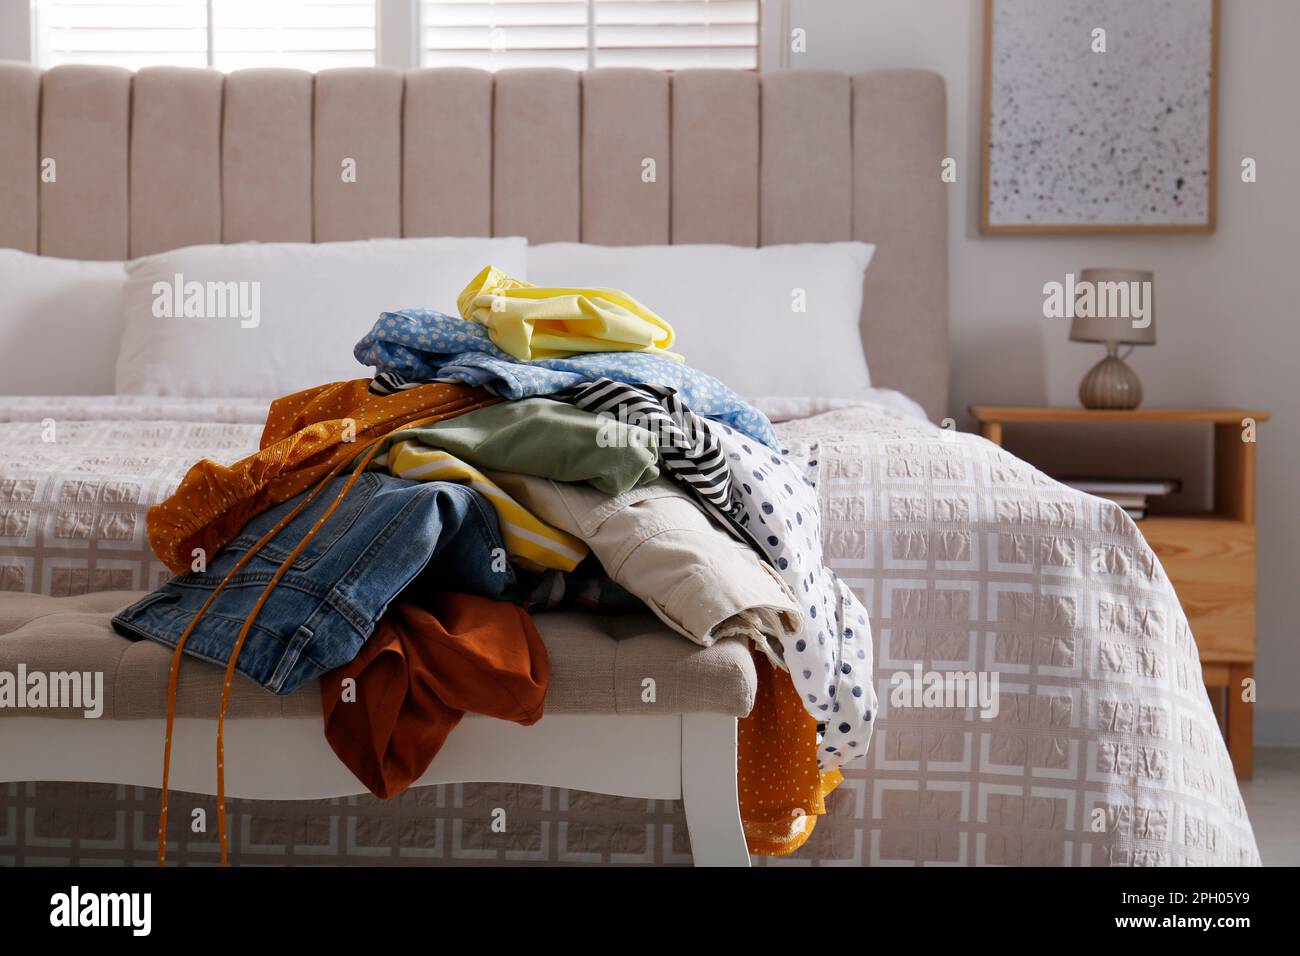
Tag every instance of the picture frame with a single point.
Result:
(1105, 183)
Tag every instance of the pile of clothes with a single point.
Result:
(393, 537)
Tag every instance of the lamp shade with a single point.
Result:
(1114, 305)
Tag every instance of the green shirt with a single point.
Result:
(548, 439)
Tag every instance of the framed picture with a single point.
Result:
(1099, 116)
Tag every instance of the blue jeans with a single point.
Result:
(389, 536)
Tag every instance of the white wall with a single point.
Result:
(1229, 310)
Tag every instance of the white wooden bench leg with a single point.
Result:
(709, 790)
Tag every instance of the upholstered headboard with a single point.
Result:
(170, 157)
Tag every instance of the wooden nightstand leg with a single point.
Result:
(1241, 724)
(1234, 474)
(992, 431)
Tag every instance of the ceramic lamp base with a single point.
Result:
(1111, 384)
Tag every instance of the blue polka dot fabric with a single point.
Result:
(422, 345)
(830, 661)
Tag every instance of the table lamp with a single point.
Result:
(1117, 307)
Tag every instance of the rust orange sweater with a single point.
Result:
(419, 673)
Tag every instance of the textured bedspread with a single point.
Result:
(1104, 749)
(1100, 749)
(78, 474)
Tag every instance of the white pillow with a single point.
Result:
(736, 309)
(280, 317)
(60, 324)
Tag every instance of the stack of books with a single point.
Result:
(1130, 494)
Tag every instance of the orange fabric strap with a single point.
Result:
(368, 455)
(173, 674)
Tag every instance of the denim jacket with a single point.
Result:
(389, 536)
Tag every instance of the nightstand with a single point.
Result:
(1209, 557)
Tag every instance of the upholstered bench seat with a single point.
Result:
(599, 665)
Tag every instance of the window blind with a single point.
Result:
(227, 34)
(675, 34)
(662, 34)
(130, 33)
(307, 34)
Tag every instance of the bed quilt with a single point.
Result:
(1085, 736)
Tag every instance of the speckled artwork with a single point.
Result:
(1082, 139)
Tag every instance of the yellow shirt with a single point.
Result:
(533, 322)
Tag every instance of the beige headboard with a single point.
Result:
(170, 157)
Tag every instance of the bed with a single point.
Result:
(1104, 750)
